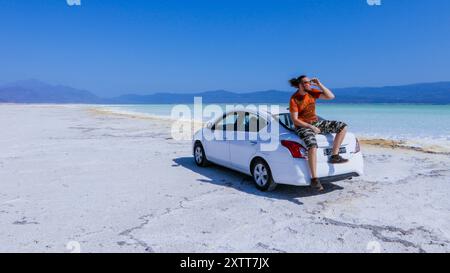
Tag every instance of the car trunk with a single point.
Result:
(324, 142)
(325, 146)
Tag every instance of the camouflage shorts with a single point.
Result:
(325, 126)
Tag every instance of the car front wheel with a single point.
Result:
(263, 176)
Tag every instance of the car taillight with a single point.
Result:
(297, 150)
(357, 147)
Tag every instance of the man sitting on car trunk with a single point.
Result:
(302, 107)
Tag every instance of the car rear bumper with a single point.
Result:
(296, 172)
(339, 177)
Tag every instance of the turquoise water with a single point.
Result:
(422, 124)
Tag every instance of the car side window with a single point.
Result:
(254, 123)
(241, 121)
(227, 123)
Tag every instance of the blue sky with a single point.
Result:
(113, 47)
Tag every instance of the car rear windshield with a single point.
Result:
(285, 120)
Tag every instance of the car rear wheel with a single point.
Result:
(199, 155)
(262, 176)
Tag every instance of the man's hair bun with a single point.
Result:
(294, 82)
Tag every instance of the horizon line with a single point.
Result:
(206, 91)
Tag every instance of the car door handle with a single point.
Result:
(253, 142)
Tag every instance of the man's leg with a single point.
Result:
(312, 161)
(308, 136)
(338, 140)
(340, 129)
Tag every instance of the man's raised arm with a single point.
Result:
(326, 93)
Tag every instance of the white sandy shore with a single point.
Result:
(118, 184)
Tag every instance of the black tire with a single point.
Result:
(199, 155)
(262, 176)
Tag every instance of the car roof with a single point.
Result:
(266, 113)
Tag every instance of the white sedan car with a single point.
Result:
(234, 141)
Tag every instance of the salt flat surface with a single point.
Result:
(70, 176)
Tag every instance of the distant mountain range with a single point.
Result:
(34, 91)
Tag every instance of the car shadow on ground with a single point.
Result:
(222, 176)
